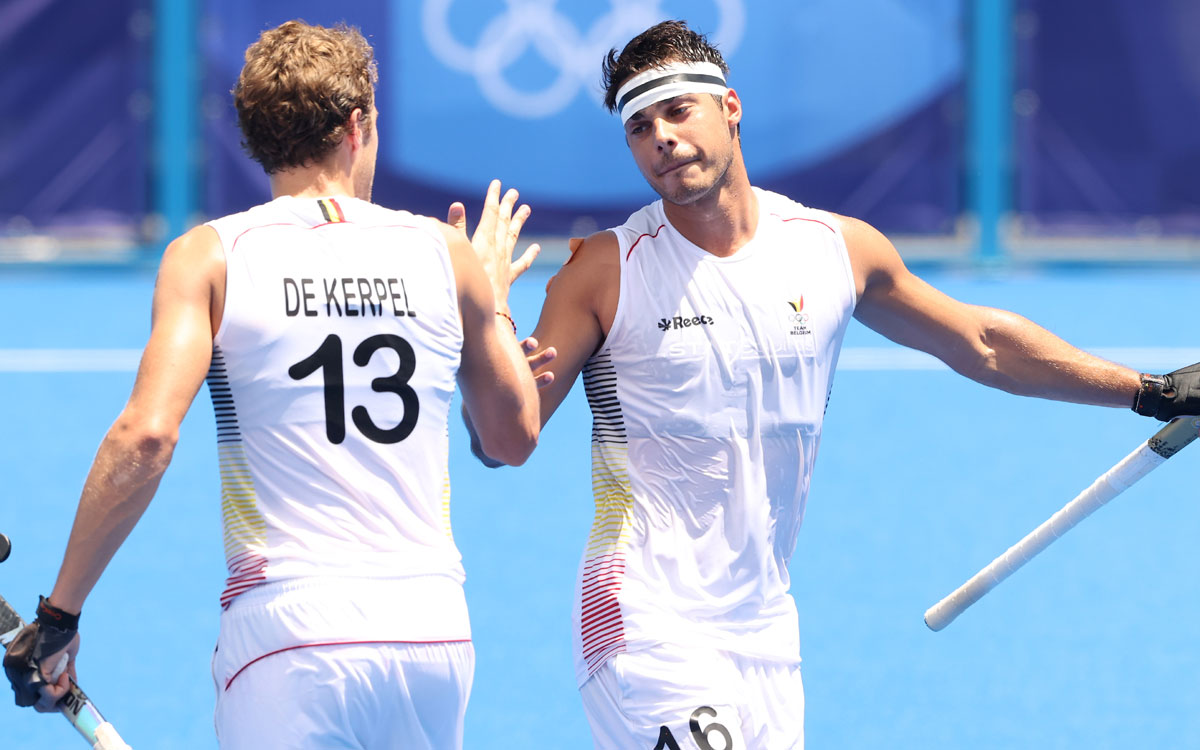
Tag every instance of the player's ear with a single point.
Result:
(733, 107)
(355, 131)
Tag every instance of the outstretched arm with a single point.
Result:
(994, 347)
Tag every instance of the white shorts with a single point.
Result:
(381, 695)
(669, 697)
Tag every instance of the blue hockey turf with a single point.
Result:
(923, 478)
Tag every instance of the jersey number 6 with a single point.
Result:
(328, 357)
(667, 741)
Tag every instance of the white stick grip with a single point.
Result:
(108, 739)
(61, 667)
(1165, 443)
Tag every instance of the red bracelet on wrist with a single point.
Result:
(508, 317)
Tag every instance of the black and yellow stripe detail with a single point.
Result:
(611, 488)
(331, 210)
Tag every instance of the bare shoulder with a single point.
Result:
(592, 273)
(197, 243)
(873, 257)
(191, 276)
(861, 236)
(194, 257)
(597, 247)
(597, 254)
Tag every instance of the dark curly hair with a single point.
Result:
(297, 89)
(669, 41)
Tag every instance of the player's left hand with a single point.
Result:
(1180, 395)
(538, 359)
(40, 661)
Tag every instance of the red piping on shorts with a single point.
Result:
(331, 643)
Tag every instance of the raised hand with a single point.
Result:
(495, 238)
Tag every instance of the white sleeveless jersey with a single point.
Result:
(331, 380)
(707, 399)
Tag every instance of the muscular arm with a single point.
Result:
(994, 347)
(577, 314)
(188, 298)
(500, 399)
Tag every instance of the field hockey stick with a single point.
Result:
(1149, 455)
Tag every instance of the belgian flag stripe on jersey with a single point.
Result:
(331, 210)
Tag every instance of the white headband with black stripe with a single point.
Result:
(673, 79)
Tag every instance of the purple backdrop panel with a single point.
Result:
(74, 112)
(1108, 116)
(906, 178)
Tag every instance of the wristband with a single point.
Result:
(1149, 395)
(48, 614)
(508, 317)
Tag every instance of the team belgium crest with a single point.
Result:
(798, 318)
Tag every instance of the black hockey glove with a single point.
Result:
(51, 632)
(1165, 397)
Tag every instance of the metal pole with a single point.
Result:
(989, 124)
(175, 95)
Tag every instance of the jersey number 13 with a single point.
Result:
(328, 357)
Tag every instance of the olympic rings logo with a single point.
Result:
(537, 26)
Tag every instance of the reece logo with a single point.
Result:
(677, 322)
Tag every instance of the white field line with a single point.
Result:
(857, 358)
(69, 360)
